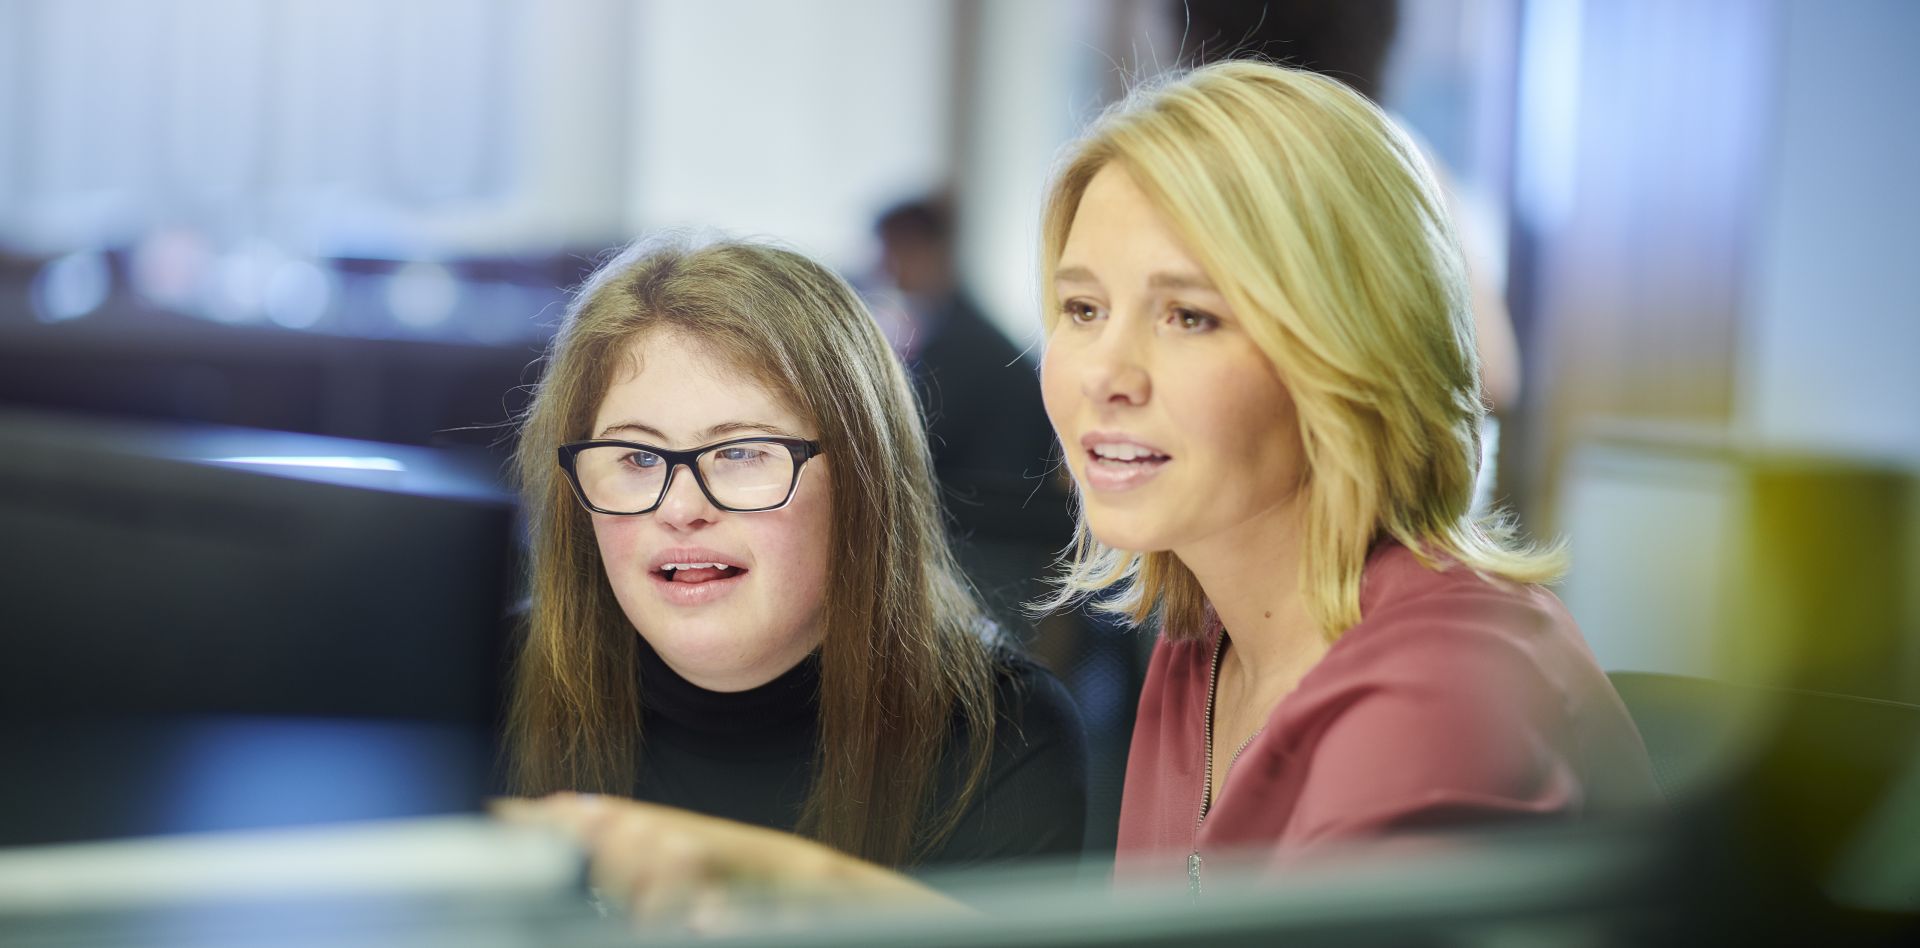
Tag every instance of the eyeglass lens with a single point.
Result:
(748, 476)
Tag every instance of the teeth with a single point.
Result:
(674, 566)
(1121, 452)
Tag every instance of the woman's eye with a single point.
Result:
(1080, 311)
(643, 459)
(741, 454)
(1194, 320)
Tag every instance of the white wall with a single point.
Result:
(793, 120)
(361, 126)
(1831, 341)
(567, 96)
(1655, 544)
(329, 126)
(1036, 84)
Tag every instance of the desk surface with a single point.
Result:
(450, 880)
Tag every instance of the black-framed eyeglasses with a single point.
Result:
(742, 475)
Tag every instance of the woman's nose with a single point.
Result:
(685, 506)
(1115, 369)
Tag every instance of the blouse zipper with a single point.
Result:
(1206, 776)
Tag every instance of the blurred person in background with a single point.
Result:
(1260, 365)
(743, 602)
(986, 429)
(980, 394)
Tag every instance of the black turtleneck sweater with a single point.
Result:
(748, 756)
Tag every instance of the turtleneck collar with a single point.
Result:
(776, 707)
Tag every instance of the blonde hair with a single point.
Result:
(1326, 232)
(904, 656)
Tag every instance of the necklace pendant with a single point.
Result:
(1193, 874)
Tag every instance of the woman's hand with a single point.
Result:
(670, 866)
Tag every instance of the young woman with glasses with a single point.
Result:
(743, 602)
(1260, 365)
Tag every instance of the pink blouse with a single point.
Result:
(1455, 699)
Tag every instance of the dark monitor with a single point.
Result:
(221, 628)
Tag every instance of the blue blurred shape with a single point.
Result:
(253, 772)
(343, 463)
(72, 286)
(422, 295)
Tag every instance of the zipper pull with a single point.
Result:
(1193, 875)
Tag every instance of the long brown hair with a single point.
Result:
(904, 656)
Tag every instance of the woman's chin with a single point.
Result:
(718, 663)
(1128, 534)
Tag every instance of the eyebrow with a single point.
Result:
(1181, 281)
(723, 428)
(1074, 275)
(1162, 280)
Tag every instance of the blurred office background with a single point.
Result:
(360, 219)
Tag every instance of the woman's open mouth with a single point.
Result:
(697, 572)
(1121, 465)
(694, 577)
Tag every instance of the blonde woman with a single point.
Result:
(1260, 362)
(1260, 365)
(742, 599)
